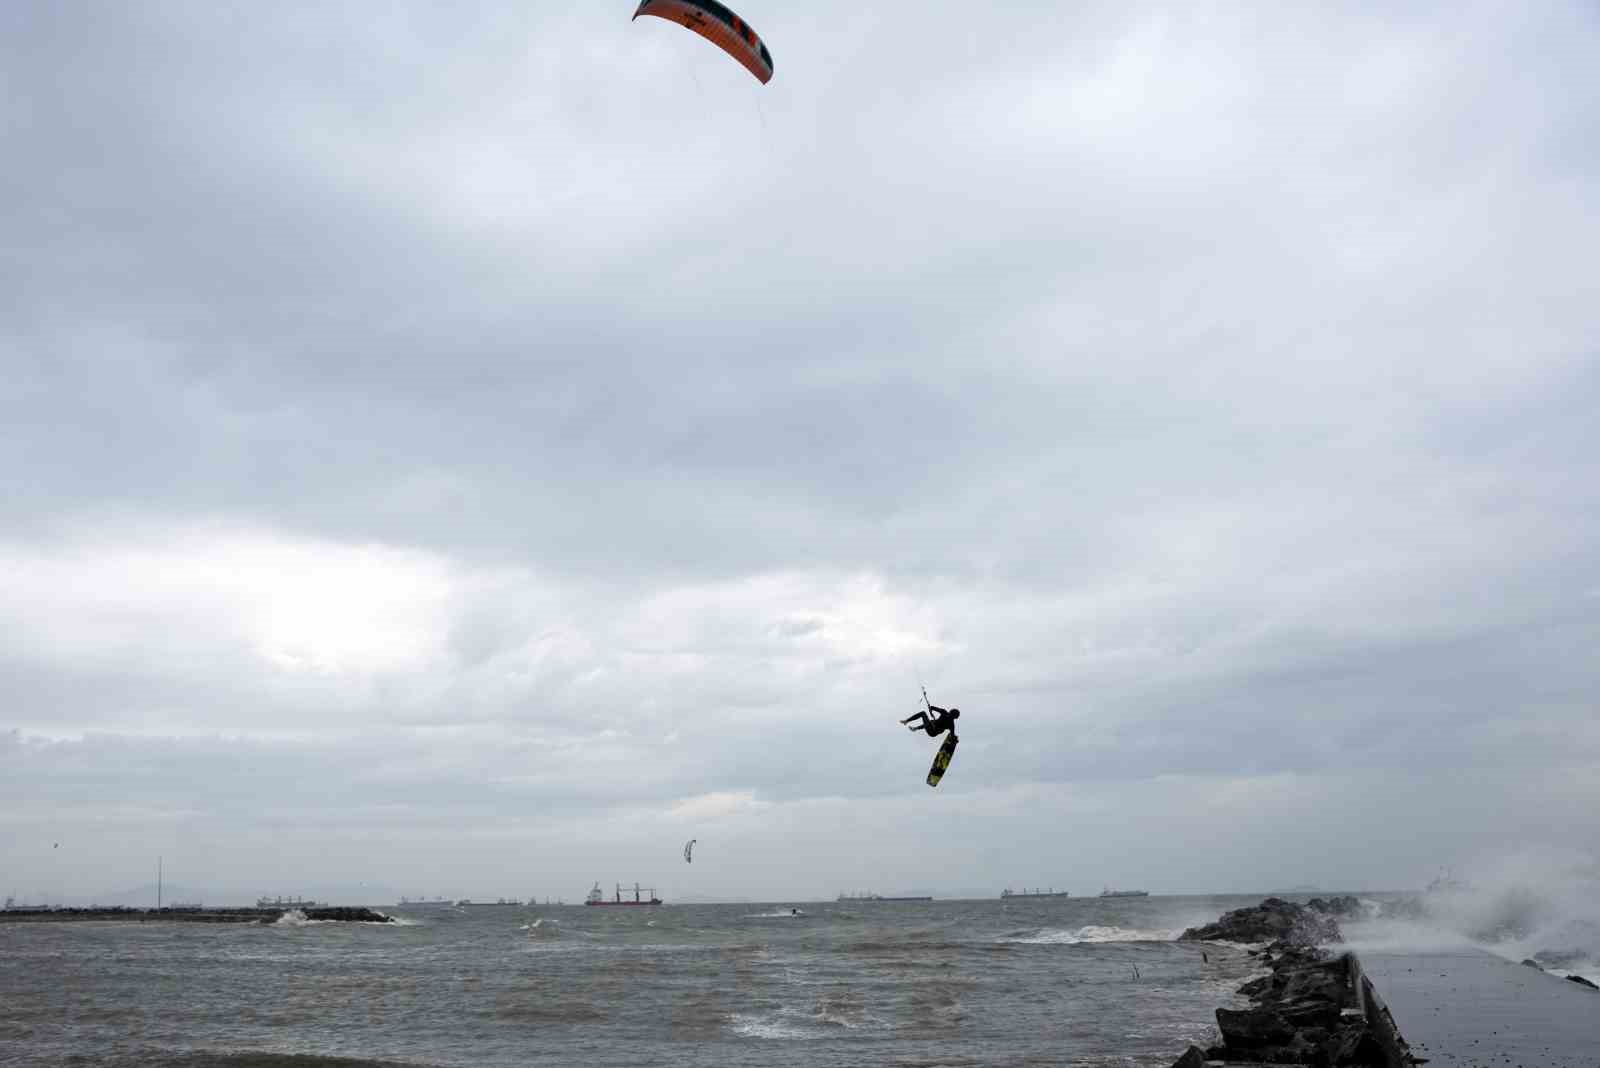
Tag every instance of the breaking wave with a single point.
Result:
(828, 1015)
(1535, 905)
(770, 1027)
(297, 918)
(1092, 933)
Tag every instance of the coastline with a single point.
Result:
(123, 914)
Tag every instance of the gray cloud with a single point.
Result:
(520, 424)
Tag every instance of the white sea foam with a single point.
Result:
(772, 1026)
(1092, 933)
(1537, 904)
(785, 914)
(297, 918)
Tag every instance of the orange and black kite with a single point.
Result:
(718, 25)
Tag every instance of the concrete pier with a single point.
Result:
(1464, 1008)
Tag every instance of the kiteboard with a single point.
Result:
(942, 761)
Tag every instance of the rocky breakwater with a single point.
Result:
(1275, 920)
(1312, 1007)
(347, 915)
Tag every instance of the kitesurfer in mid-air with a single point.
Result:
(936, 724)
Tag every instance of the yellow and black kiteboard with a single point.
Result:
(942, 761)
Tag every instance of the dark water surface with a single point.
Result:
(1020, 982)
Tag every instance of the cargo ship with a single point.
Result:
(869, 896)
(598, 897)
(1124, 893)
(282, 903)
(1035, 892)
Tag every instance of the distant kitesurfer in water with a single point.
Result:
(935, 725)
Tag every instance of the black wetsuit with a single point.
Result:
(934, 725)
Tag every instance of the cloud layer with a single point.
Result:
(438, 436)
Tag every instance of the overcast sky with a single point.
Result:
(471, 450)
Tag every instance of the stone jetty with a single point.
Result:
(1312, 1007)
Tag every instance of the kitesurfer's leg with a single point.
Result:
(923, 716)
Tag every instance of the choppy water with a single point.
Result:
(1023, 982)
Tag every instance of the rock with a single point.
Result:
(1252, 1028)
(1353, 1045)
(1257, 987)
(1327, 982)
(1274, 920)
(1193, 1057)
(1529, 962)
(1581, 981)
(348, 915)
(1310, 1012)
(1347, 905)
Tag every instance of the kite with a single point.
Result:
(718, 25)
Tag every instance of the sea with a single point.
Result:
(1016, 982)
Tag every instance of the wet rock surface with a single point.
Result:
(348, 915)
(1274, 920)
(1193, 1057)
(1311, 1008)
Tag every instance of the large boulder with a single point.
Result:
(1353, 1045)
(1192, 1057)
(1274, 920)
(1253, 1028)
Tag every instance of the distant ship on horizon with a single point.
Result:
(13, 905)
(503, 902)
(870, 896)
(598, 897)
(279, 903)
(1108, 892)
(1035, 892)
(420, 903)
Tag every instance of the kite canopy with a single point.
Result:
(718, 25)
(688, 851)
